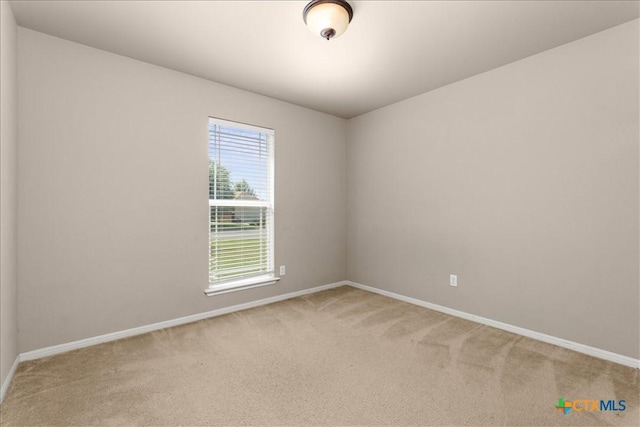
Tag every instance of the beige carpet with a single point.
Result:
(339, 357)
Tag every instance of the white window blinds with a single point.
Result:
(241, 161)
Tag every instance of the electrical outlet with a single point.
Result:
(282, 270)
(453, 280)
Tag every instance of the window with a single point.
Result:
(240, 206)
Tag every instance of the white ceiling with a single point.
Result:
(391, 51)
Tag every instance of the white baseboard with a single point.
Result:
(74, 345)
(581, 348)
(63, 348)
(7, 381)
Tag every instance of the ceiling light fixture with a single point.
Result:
(327, 18)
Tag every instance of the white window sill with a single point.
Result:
(240, 285)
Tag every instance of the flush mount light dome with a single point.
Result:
(327, 18)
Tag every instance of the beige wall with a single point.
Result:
(8, 190)
(523, 181)
(113, 186)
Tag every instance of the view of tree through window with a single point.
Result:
(240, 201)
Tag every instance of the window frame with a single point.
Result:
(248, 281)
